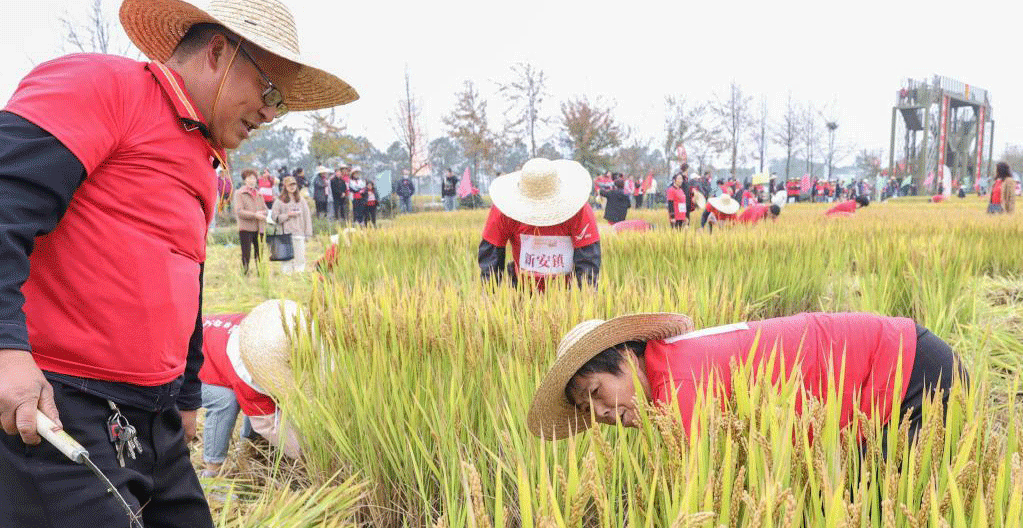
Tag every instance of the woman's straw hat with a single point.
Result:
(156, 27)
(550, 415)
(543, 193)
(724, 203)
(699, 200)
(264, 343)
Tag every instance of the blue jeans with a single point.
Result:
(221, 413)
(406, 204)
(449, 203)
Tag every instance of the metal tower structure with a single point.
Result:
(944, 123)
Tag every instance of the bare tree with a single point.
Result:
(760, 133)
(683, 124)
(590, 132)
(94, 35)
(467, 126)
(524, 94)
(733, 115)
(811, 130)
(407, 123)
(787, 133)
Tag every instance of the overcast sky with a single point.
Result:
(852, 55)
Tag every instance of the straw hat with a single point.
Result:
(543, 193)
(265, 346)
(323, 170)
(724, 203)
(156, 27)
(780, 198)
(699, 200)
(550, 415)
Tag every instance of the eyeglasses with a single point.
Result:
(272, 95)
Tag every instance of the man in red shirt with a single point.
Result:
(542, 212)
(848, 207)
(875, 355)
(107, 186)
(756, 213)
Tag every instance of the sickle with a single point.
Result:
(76, 453)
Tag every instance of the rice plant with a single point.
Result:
(413, 413)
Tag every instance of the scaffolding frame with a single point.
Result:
(938, 133)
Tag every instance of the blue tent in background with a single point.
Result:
(383, 183)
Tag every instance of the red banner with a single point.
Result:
(683, 157)
(942, 132)
(980, 143)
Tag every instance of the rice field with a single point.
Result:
(412, 411)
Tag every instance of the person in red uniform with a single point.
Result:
(678, 202)
(542, 212)
(596, 362)
(228, 387)
(848, 207)
(107, 189)
(719, 209)
(756, 213)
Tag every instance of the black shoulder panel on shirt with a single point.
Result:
(38, 176)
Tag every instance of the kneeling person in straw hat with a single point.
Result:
(107, 189)
(230, 345)
(598, 360)
(542, 211)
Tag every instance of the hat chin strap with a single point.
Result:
(223, 80)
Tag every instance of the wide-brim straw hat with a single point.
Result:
(156, 28)
(780, 198)
(724, 203)
(323, 170)
(699, 200)
(543, 193)
(264, 342)
(551, 416)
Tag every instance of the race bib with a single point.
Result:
(545, 255)
(680, 208)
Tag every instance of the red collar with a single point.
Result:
(173, 85)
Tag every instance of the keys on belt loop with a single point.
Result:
(123, 435)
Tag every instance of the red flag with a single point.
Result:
(929, 179)
(804, 185)
(465, 185)
(976, 185)
(683, 156)
(646, 183)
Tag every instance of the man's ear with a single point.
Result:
(215, 53)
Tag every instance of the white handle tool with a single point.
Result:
(60, 439)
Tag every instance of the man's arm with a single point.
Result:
(38, 176)
(586, 261)
(190, 395)
(491, 261)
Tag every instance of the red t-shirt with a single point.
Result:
(113, 290)
(996, 192)
(548, 250)
(223, 366)
(871, 345)
(678, 199)
(938, 198)
(848, 206)
(718, 214)
(754, 214)
(266, 189)
(747, 198)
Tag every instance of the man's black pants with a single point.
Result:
(40, 488)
